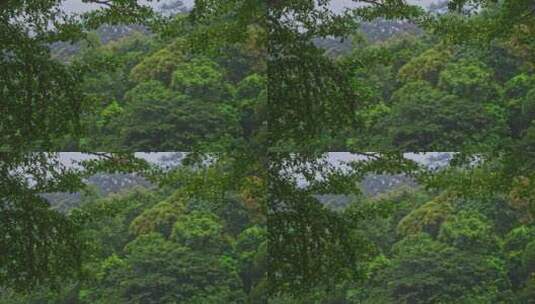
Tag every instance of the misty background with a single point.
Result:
(77, 6)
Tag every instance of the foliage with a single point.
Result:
(248, 87)
(426, 219)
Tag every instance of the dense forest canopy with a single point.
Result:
(181, 233)
(256, 93)
(436, 81)
(452, 230)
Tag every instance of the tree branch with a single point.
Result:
(108, 3)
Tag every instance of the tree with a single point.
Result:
(424, 118)
(162, 119)
(160, 218)
(425, 271)
(427, 66)
(528, 259)
(469, 231)
(202, 79)
(427, 218)
(40, 89)
(39, 244)
(42, 244)
(160, 65)
(156, 270)
(251, 246)
(199, 231)
(469, 80)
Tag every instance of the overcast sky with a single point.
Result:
(70, 158)
(77, 6)
(338, 5)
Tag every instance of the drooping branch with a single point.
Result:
(108, 3)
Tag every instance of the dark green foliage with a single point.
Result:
(425, 271)
(178, 250)
(188, 241)
(250, 82)
(155, 270)
(43, 98)
(159, 94)
(528, 259)
(39, 245)
(459, 241)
